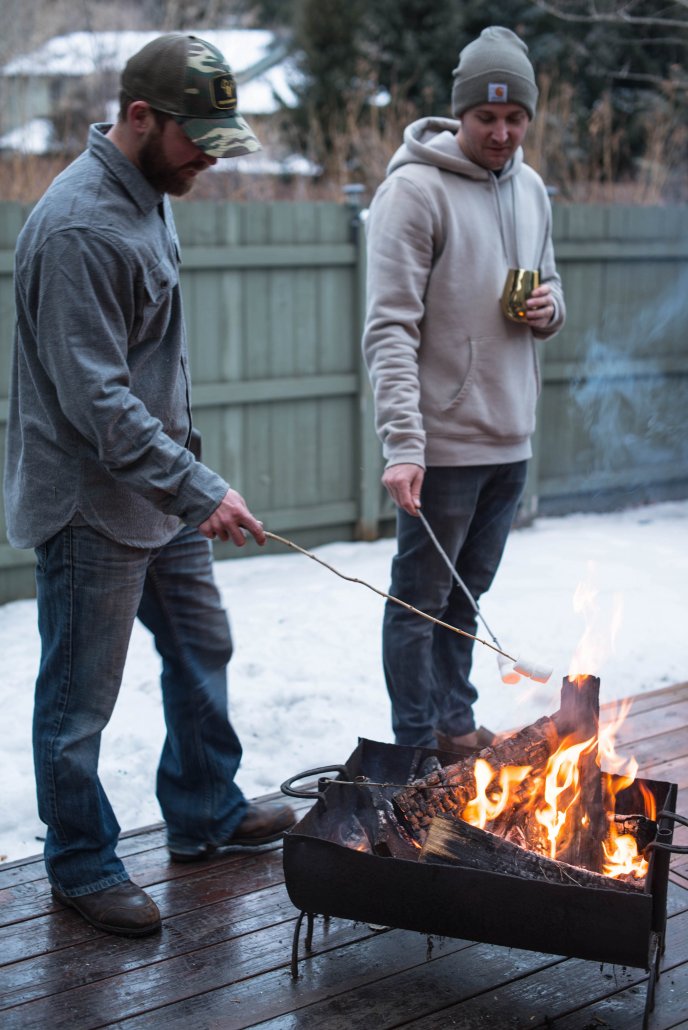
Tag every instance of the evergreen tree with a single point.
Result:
(612, 77)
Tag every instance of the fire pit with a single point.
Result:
(357, 855)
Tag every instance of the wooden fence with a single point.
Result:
(612, 419)
(274, 296)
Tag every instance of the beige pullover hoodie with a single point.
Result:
(455, 382)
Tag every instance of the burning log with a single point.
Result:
(451, 788)
(579, 707)
(456, 842)
(579, 720)
(560, 749)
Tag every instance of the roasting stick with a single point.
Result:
(530, 669)
(507, 671)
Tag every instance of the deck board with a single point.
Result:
(223, 958)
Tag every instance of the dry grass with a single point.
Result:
(583, 161)
(580, 162)
(25, 177)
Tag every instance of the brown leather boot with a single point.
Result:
(124, 909)
(262, 824)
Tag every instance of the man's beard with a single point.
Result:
(158, 171)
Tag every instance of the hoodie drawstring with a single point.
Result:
(500, 218)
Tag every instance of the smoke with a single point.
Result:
(631, 392)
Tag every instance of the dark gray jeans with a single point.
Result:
(427, 668)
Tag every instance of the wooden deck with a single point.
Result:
(222, 960)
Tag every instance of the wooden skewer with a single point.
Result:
(389, 597)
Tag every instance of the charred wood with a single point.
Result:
(644, 830)
(456, 842)
(579, 708)
(579, 721)
(449, 789)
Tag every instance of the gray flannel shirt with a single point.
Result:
(99, 417)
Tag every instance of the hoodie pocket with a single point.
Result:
(487, 388)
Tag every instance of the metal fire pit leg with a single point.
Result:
(655, 958)
(295, 942)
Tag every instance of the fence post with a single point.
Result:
(528, 508)
(369, 454)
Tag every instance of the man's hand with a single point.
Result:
(540, 307)
(230, 518)
(403, 483)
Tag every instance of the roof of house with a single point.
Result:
(256, 56)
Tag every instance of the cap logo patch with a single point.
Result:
(497, 92)
(223, 93)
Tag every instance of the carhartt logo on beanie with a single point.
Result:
(494, 69)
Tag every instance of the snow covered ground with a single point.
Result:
(306, 679)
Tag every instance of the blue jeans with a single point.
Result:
(427, 668)
(89, 591)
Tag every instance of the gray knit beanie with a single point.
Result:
(494, 69)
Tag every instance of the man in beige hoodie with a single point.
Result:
(455, 380)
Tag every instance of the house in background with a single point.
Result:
(50, 95)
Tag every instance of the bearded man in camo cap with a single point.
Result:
(103, 478)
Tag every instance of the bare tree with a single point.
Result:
(646, 43)
(587, 12)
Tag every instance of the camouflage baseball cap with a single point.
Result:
(189, 78)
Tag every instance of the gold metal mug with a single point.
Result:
(520, 283)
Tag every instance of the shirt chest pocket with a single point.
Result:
(159, 302)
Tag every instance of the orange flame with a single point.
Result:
(626, 769)
(621, 853)
(650, 802)
(607, 740)
(554, 797)
(621, 850)
(484, 808)
(562, 790)
(599, 635)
